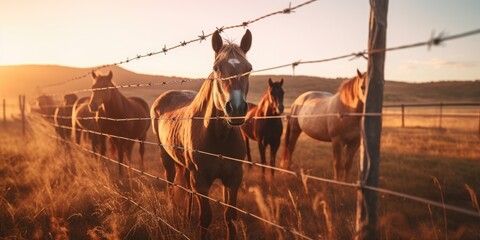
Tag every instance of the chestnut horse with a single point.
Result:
(343, 132)
(266, 131)
(216, 98)
(62, 117)
(83, 119)
(115, 105)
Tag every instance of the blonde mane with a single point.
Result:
(348, 92)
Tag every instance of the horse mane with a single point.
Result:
(348, 92)
(201, 99)
(263, 104)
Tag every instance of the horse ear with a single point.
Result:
(217, 41)
(246, 42)
(281, 82)
(270, 83)
(110, 75)
(359, 74)
(94, 75)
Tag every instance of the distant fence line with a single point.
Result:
(440, 106)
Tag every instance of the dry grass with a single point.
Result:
(48, 192)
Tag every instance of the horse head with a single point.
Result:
(69, 99)
(231, 77)
(100, 95)
(361, 86)
(275, 95)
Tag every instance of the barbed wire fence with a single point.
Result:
(434, 41)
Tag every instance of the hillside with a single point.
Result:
(24, 79)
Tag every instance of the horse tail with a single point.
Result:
(290, 141)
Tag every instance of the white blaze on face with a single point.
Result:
(233, 61)
(236, 98)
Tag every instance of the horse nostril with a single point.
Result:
(228, 108)
(245, 107)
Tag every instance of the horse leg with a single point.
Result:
(352, 148)
(337, 146)
(247, 144)
(231, 186)
(169, 165)
(201, 185)
(142, 153)
(103, 147)
(94, 139)
(273, 155)
(119, 147)
(291, 136)
(261, 149)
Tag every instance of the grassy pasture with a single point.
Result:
(47, 191)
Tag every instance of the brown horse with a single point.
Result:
(266, 131)
(62, 117)
(83, 119)
(46, 105)
(343, 132)
(216, 98)
(115, 105)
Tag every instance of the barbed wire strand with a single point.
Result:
(431, 42)
(199, 38)
(293, 231)
(300, 174)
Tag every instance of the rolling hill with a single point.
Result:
(25, 79)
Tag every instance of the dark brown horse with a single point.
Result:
(46, 105)
(62, 118)
(216, 98)
(115, 105)
(266, 131)
(343, 132)
(83, 119)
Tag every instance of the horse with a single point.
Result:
(115, 105)
(83, 119)
(221, 96)
(62, 117)
(266, 131)
(343, 132)
(46, 105)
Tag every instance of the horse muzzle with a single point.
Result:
(236, 112)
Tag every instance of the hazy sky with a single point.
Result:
(89, 33)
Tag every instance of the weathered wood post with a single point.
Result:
(403, 115)
(21, 102)
(366, 223)
(4, 113)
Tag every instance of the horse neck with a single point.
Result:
(116, 105)
(264, 107)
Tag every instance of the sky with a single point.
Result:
(96, 32)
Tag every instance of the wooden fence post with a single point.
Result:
(403, 115)
(366, 222)
(21, 101)
(4, 113)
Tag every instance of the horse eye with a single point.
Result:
(215, 68)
